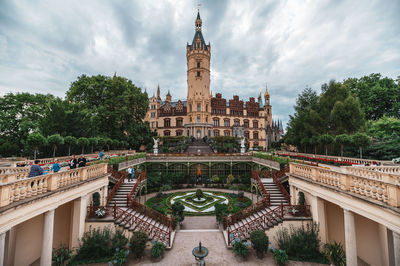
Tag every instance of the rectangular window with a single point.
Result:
(198, 64)
(179, 133)
(226, 133)
(153, 114)
(153, 107)
(246, 124)
(216, 133)
(198, 107)
(226, 123)
(216, 122)
(198, 73)
(179, 122)
(198, 119)
(237, 123)
(255, 124)
(152, 124)
(255, 135)
(167, 123)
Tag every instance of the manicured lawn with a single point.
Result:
(196, 207)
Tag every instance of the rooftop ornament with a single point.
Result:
(199, 254)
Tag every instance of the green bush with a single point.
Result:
(177, 211)
(98, 245)
(241, 195)
(301, 243)
(335, 253)
(281, 257)
(157, 250)
(138, 243)
(240, 249)
(61, 255)
(96, 199)
(120, 257)
(260, 242)
(199, 193)
(221, 211)
(301, 198)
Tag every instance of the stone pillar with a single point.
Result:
(78, 221)
(104, 193)
(318, 215)
(2, 247)
(47, 240)
(10, 247)
(396, 246)
(383, 243)
(350, 237)
(292, 195)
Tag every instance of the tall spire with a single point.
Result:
(198, 21)
(158, 93)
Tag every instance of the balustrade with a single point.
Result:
(373, 185)
(25, 188)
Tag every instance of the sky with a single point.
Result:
(286, 45)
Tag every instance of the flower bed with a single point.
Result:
(318, 160)
(196, 207)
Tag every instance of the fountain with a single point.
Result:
(199, 254)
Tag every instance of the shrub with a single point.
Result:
(221, 211)
(157, 250)
(301, 198)
(280, 257)
(119, 240)
(240, 249)
(138, 243)
(177, 211)
(165, 188)
(260, 242)
(61, 255)
(335, 253)
(199, 193)
(96, 243)
(301, 243)
(96, 199)
(120, 257)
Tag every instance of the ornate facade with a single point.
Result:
(204, 115)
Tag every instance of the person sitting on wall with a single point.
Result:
(36, 169)
(73, 162)
(81, 161)
(56, 167)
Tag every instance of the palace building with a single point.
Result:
(204, 115)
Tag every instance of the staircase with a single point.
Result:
(261, 220)
(199, 145)
(132, 221)
(276, 195)
(120, 197)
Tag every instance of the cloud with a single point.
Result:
(46, 45)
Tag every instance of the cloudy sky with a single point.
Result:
(45, 45)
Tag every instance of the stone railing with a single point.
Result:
(45, 161)
(395, 170)
(13, 170)
(266, 162)
(375, 186)
(25, 188)
(124, 165)
(337, 158)
(195, 158)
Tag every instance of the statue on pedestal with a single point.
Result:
(155, 146)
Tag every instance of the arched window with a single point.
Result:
(246, 123)
(255, 124)
(179, 132)
(255, 135)
(247, 134)
(216, 122)
(227, 122)
(226, 133)
(216, 133)
(167, 133)
(236, 123)
(179, 122)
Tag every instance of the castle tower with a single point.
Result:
(267, 108)
(198, 56)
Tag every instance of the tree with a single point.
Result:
(115, 144)
(342, 139)
(101, 142)
(178, 211)
(231, 178)
(55, 141)
(314, 142)
(384, 127)
(304, 142)
(69, 140)
(361, 140)
(92, 142)
(36, 140)
(83, 142)
(108, 142)
(325, 139)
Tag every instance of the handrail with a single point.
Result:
(234, 218)
(153, 214)
(272, 215)
(132, 193)
(118, 175)
(276, 175)
(266, 195)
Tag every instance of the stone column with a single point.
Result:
(292, 195)
(350, 237)
(383, 243)
(2, 247)
(318, 214)
(104, 192)
(47, 240)
(396, 245)
(78, 221)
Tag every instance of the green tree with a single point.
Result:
(108, 143)
(325, 140)
(260, 242)
(36, 140)
(70, 141)
(305, 142)
(384, 127)
(115, 144)
(361, 140)
(83, 142)
(101, 142)
(93, 143)
(314, 142)
(55, 141)
(342, 139)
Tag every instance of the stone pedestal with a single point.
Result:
(242, 151)
(156, 151)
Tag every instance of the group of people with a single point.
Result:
(37, 170)
(131, 173)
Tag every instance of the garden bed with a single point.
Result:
(198, 207)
